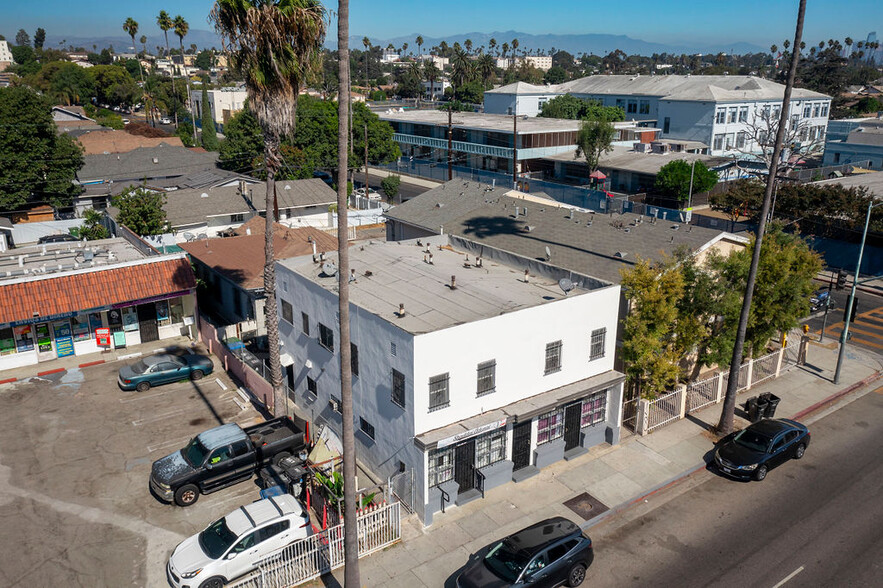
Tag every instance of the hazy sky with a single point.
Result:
(669, 21)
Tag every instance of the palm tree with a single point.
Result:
(181, 30)
(487, 69)
(275, 45)
(143, 41)
(350, 518)
(432, 74)
(419, 41)
(514, 47)
(468, 45)
(416, 69)
(404, 48)
(164, 21)
(131, 27)
(492, 44)
(461, 68)
(367, 43)
(505, 49)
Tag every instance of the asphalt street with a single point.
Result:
(813, 522)
(866, 331)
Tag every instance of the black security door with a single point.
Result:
(464, 465)
(521, 445)
(571, 425)
(147, 322)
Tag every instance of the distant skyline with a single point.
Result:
(761, 22)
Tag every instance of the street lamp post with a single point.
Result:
(851, 301)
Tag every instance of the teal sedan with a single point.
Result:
(155, 370)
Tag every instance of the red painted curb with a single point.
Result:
(91, 363)
(860, 384)
(8, 380)
(47, 372)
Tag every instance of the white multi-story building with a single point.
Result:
(439, 62)
(224, 103)
(389, 56)
(435, 90)
(541, 62)
(5, 55)
(472, 367)
(732, 115)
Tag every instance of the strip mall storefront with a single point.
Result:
(86, 327)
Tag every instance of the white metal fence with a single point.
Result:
(318, 554)
(675, 405)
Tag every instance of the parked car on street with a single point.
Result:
(820, 300)
(231, 546)
(752, 452)
(224, 456)
(154, 370)
(554, 552)
(165, 120)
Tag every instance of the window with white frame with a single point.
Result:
(441, 466)
(718, 143)
(553, 357)
(720, 116)
(816, 110)
(807, 110)
(765, 113)
(732, 113)
(777, 112)
(596, 350)
(824, 110)
(740, 139)
(743, 114)
(490, 448)
(594, 409)
(487, 377)
(730, 141)
(439, 394)
(550, 426)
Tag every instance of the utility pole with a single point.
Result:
(450, 145)
(514, 151)
(690, 193)
(366, 160)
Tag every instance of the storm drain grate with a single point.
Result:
(586, 505)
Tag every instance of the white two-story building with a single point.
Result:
(472, 366)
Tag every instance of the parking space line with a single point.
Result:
(220, 383)
(166, 444)
(159, 417)
(139, 396)
(788, 577)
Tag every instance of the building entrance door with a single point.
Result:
(464, 465)
(572, 415)
(521, 445)
(147, 322)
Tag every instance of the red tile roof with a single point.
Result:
(72, 292)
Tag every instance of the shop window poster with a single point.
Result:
(44, 339)
(162, 312)
(7, 342)
(81, 328)
(24, 338)
(130, 319)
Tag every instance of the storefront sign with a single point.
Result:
(64, 342)
(44, 339)
(102, 337)
(471, 433)
(41, 319)
(153, 299)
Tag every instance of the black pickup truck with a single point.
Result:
(224, 456)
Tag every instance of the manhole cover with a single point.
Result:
(586, 505)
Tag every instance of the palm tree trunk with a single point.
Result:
(174, 93)
(350, 517)
(271, 154)
(190, 97)
(725, 425)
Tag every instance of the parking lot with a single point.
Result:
(75, 456)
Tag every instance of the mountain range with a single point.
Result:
(599, 44)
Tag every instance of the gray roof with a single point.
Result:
(485, 122)
(596, 245)
(163, 161)
(189, 207)
(625, 159)
(685, 88)
(872, 181)
(866, 136)
(393, 273)
(69, 255)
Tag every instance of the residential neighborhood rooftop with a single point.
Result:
(485, 122)
(872, 181)
(162, 161)
(626, 159)
(112, 141)
(55, 257)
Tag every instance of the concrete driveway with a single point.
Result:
(75, 456)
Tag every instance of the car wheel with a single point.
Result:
(213, 582)
(760, 473)
(576, 576)
(799, 451)
(196, 375)
(186, 495)
(143, 386)
(277, 459)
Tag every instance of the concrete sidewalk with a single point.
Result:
(617, 476)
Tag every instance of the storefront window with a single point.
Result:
(94, 322)
(24, 338)
(177, 308)
(490, 448)
(7, 341)
(550, 426)
(44, 339)
(594, 409)
(130, 318)
(162, 313)
(441, 466)
(81, 328)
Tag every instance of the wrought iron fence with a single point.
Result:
(401, 489)
(702, 393)
(664, 410)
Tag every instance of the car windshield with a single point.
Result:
(139, 367)
(504, 561)
(752, 440)
(217, 539)
(195, 452)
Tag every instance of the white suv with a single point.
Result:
(232, 546)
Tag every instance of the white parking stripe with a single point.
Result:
(167, 444)
(139, 396)
(159, 417)
(788, 577)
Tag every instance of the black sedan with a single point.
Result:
(554, 552)
(162, 369)
(755, 450)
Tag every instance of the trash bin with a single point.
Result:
(751, 409)
(770, 411)
(761, 410)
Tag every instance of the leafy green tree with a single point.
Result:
(570, 107)
(141, 210)
(555, 75)
(456, 106)
(38, 164)
(390, 186)
(72, 84)
(92, 228)
(22, 38)
(470, 92)
(205, 60)
(109, 118)
(742, 198)
(243, 145)
(209, 136)
(39, 38)
(114, 85)
(593, 140)
(673, 179)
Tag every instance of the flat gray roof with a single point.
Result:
(69, 255)
(501, 123)
(872, 181)
(623, 158)
(393, 273)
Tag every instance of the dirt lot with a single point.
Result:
(75, 456)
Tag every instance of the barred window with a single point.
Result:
(487, 377)
(438, 392)
(553, 357)
(287, 313)
(326, 337)
(550, 426)
(490, 448)
(366, 427)
(305, 323)
(312, 387)
(594, 409)
(599, 337)
(441, 466)
(398, 388)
